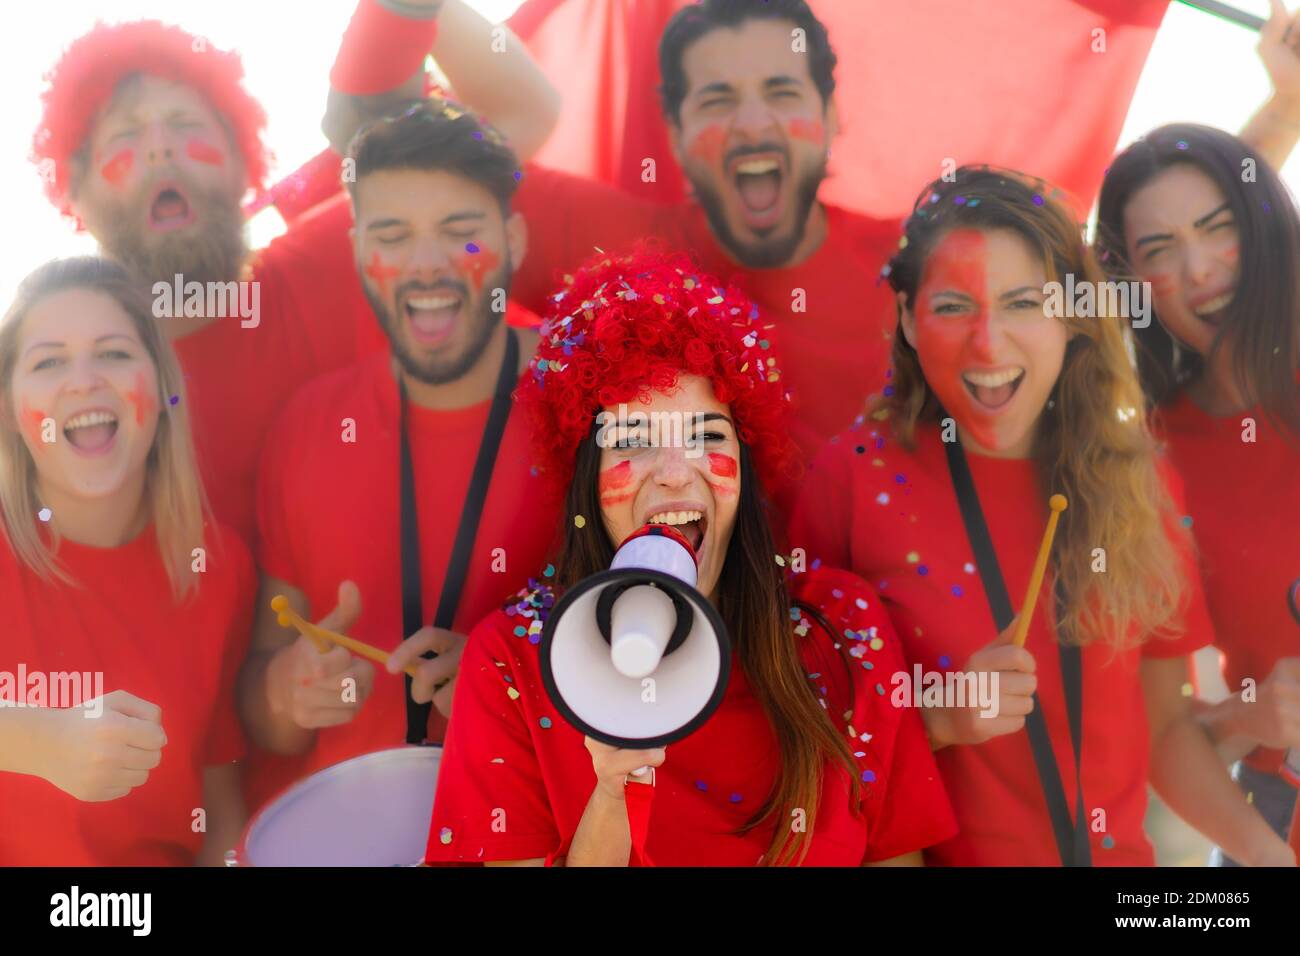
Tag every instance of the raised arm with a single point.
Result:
(381, 63)
(1275, 128)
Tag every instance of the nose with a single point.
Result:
(753, 119)
(985, 334)
(158, 146)
(428, 257)
(83, 377)
(672, 470)
(1198, 264)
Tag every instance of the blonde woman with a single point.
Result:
(1001, 397)
(125, 614)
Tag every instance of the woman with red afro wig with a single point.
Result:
(804, 760)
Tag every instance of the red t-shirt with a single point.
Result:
(328, 511)
(1250, 550)
(313, 319)
(892, 517)
(515, 753)
(120, 620)
(834, 317)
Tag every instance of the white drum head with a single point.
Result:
(373, 810)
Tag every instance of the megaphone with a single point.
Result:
(635, 656)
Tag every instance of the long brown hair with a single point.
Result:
(1092, 445)
(755, 607)
(1263, 327)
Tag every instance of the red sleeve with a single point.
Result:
(903, 794)
(275, 491)
(1196, 624)
(225, 741)
(823, 515)
(310, 280)
(381, 49)
(568, 219)
(491, 802)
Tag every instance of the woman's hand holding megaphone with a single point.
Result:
(616, 767)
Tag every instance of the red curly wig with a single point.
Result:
(626, 326)
(84, 79)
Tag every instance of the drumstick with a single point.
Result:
(286, 616)
(1058, 504)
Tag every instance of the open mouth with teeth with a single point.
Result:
(431, 316)
(170, 209)
(758, 184)
(1215, 310)
(92, 432)
(993, 389)
(690, 524)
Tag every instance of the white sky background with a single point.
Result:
(1201, 69)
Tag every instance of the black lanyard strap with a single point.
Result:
(1071, 836)
(417, 715)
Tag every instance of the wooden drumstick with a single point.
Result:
(286, 616)
(1058, 504)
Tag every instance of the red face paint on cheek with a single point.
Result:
(204, 152)
(478, 265)
(141, 398)
(708, 143)
(1232, 253)
(33, 421)
(811, 131)
(948, 344)
(616, 478)
(1161, 284)
(118, 166)
(724, 466)
(381, 274)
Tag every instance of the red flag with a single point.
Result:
(1038, 85)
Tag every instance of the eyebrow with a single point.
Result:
(715, 417)
(1166, 236)
(102, 338)
(468, 215)
(782, 80)
(716, 87)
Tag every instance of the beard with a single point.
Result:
(771, 251)
(213, 250)
(482, 321)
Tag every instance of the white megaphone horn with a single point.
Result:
(635, 656)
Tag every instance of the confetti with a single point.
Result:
(1188, 690)
(1187, 521)
(735, 798)
(876, 644)
(546, 723)
(579, 521)
(174, 400)
(968, 568)
(957, 591)
(512, 693)
(882, 498)
(549, 572)
(861, 603)
(444, 835)
(45, 514)
(945, 661)
(498, 759)
(868, 776)
(701, 786)
(913, 557)
(471, 247)
(1108, 842)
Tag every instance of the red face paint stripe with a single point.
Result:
(33, 420)
(119, 167)
(810, 130)
(724, 466)
(479, 265)
(381, 274)
(204, 152)
(708, 144)
(612, 479)
(141, 399)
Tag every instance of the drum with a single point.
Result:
(372, 810)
